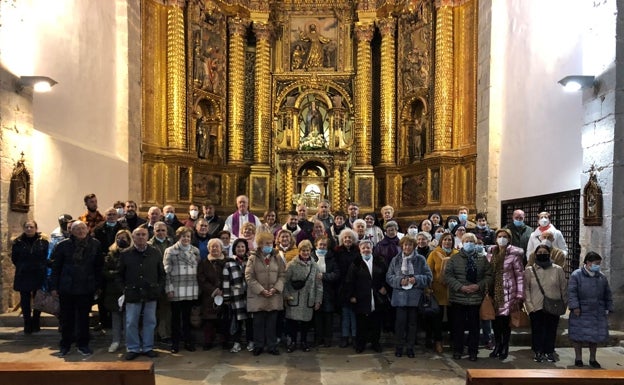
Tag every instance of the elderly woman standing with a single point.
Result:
(29, 254)
(303, 292)
(345, 254)
(590, 302)
(264, 272)
(180, 262)
(437, 261)
(552, 280)
(366, 289)
(468, 275)
(210, 279)
(508, 293)
(235, 294)
(408, 275)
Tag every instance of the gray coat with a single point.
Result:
(422, 273)
(455, 277)
(300, 303)
(593, 296)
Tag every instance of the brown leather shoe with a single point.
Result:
(438, 347)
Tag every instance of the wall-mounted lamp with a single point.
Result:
(575, 83)
(38, 83)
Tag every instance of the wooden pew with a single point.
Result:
(544, 377)
(77, 373)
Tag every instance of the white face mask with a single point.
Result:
(193, 214)
(544, 221)
(502, 241)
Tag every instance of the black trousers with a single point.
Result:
(405, 326)
(323, 326)
(265, 329)
(368, 329)
(31, 317)
(74, 316)
(502, 330)
(295, 327)
(181, 322)
(543, 331)
(465, 317)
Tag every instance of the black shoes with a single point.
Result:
(377, 347)
(190, 347)
(274, 352)
(550, 357)
(150, 354)
(131, 356)
(175, 349)
(410, 353)
(594, 364)
(538, 357)
(257, 351)
(344, 342)
(398, 352)
(578, 363)
(457, 356)
(63, 352)
(291, 348)
(305, 347)
(473, 357)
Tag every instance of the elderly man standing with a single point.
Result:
(161, 242)
(170, 217)
(143, 274)
(234, 223)
(76, 277)
(520, 232)
(323, 214)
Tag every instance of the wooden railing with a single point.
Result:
(544, 377)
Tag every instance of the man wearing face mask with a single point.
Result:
(483, 231)
(161, 241)
(106, 232)
(193, 215)
(170, 218)
(543, 219)
(520, 232)
(451, 222)
(462, 214)
(557, 255)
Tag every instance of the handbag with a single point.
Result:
(486, 311)
(554, 306)
(44, 301)
(428, 305)
(518, 318)
(300, 283)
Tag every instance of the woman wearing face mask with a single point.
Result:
(365, 289)
(235, 293)
(114, 287)
(265, 272)
(437, 261)
(345, 254)
(543, 325)
(210, 278)
(330, 274)
(508, 291)
(590, 302)
(543, 219)
(388, 247)
(451, 222)
(435, 241)
(468, 275)
(557, 256)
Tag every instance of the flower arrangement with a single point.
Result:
(312, 142)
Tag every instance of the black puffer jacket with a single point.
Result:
(29, 255)
(76, 271)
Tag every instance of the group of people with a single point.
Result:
(253, 277)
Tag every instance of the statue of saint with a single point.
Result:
(202, 137)
(314, 121)
(297, 57)
(315, 54)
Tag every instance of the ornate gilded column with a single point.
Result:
(363, 94)
(236, 87)
(262, 111)
(176, 77)
(336, 198)
(444, 70)
(388, 91)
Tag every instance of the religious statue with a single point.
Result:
(198, 65)
(315, 53)
(297, 57)
(202, 138)
(314, 121)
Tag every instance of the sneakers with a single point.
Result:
(85, 351)
(113, 347)
(63, 352)
(250, 346)
(236, 348)
(551, 357)
(538, 357)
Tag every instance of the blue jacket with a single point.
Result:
(593, 296)
(422, 273)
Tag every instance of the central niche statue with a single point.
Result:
(313, 133)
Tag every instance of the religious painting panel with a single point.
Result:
(259, 195)
(184, 184)
(364, 193)
(414, 190)
(313, 44)
(207, 187)
(434, 185)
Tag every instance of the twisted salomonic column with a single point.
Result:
(363, 94)
(443, 89)
(388, 91)
(176, 77)
(262, 110)
(236, 88)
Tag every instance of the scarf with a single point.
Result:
(471, 268)
(407, 267)
(236, 221)
(498, 260)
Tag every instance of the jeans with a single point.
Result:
(348, 322)
(117, 319)
(146, 335)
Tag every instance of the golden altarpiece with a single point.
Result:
(300, 100)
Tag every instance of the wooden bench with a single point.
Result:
(77, 373)
(544, 377)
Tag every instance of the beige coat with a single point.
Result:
(260, 277)
(553, 281)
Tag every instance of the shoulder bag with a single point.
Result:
(554, 306)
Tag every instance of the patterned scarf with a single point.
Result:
(471, 268)
(498, 260)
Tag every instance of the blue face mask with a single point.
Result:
(463, 217)
(451, 225)
(111, 224)
(594, 268)
(169, 216)
(518, 223)
(481, 227)
(267, 249)
(447, 250)
(479, 249)
(438, 236)
(469, 247)
(320, 252)
(367, 257)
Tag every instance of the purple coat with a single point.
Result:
(512, 275)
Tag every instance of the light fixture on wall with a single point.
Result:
(38, 83)
(575, 83)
